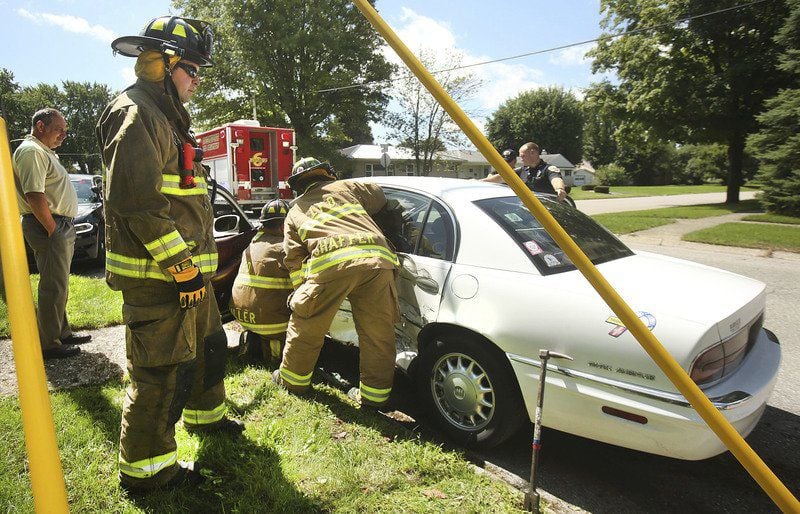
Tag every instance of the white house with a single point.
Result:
(466, 164)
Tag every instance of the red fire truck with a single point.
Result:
(253, 162)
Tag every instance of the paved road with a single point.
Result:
(652, 202)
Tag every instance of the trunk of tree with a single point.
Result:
(735, 159)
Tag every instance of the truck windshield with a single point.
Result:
(597, 243)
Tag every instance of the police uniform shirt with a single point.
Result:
(538, 178)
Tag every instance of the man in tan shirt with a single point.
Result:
(48, 204)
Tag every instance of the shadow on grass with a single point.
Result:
(241, 476)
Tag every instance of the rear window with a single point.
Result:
(597, 243)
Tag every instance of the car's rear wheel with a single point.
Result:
(470, 392)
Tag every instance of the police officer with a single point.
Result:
(537, 174)
(335, 250)
(161, 254)
(262, 287)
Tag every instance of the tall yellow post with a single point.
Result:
(716, 421)
(47, 478)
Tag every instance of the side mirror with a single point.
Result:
(227, 223)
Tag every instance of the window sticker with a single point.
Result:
(551, 260)
(532, 247)
(513, 217)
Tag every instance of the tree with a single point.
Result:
(698, 81)
(777, 143)
(18, 121)
(282, 54)
(550, 117)
(419, 122)
(603, 113)
(81, 104)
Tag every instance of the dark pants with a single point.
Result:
(176, 363)
(53, 256)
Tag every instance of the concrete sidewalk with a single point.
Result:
(639, 203)
(100, 361)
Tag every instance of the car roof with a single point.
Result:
(445, 188)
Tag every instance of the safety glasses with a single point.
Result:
(192, 71)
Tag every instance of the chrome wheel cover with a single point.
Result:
(462, 392)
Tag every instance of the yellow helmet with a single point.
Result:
(171, 35)
(309, 168)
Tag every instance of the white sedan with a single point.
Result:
(483, 288)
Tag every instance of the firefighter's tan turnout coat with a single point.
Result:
(261, 289)
(334, 250)
(176, 358)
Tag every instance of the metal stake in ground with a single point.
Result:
(532, 496)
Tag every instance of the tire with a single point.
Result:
(470, 391)
(100, 258)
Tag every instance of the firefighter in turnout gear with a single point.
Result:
(262, 287)
(334, 250)
(161, 254)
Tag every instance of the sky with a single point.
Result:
(56, 40)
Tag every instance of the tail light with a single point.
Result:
(724, 358)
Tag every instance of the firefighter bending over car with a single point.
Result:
(335, 250)
(161, 254)
(262, 287)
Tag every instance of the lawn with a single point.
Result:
(91, 304)
(630, 191)
(634, 221)
(771, 237)
(773, 218)
(314, 454)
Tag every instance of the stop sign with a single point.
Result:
(385, 160)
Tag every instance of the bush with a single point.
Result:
(587, 187)
(613, 175)
(601, 189)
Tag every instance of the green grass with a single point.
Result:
(633, 221)
(315, 454)
(630, 191)
(772, 237)
(773, 218)
(91, 304)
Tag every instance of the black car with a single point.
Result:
(90, 221)
(232, 233)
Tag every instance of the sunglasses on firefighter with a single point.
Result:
(192, 71)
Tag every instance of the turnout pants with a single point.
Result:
(373, 298)
(176, 363)
(53, 256)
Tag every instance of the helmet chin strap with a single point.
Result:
(172, 91)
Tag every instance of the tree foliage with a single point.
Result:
(697, 81)
(281, 54)
(419, 122)
(11, 107)
(550, 117)
(81, 104)
(777, 143)
(603, 113)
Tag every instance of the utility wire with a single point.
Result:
(555, 48)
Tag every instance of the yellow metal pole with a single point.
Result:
(729, 436)
(47, 478)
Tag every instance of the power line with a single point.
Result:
(555, 48)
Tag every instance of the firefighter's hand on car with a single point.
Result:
(189, 280)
